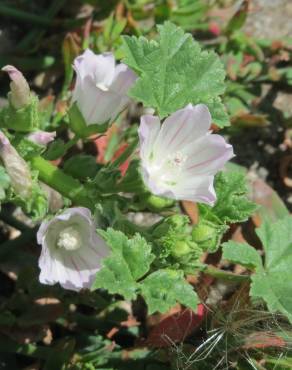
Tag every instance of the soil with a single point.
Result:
(262, 149)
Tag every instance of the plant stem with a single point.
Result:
(225, 275)
(63, 183)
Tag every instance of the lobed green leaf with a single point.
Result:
(272, 281)
(173, 72)
(129, 261)
(164, 288)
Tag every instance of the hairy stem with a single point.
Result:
(63, 183)
(225, 275)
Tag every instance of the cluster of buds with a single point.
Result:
(174, 241)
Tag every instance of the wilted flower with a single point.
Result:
(71, 249)
(180, 158)
(16, 167)
(20, 92)
(101, 86)
(42, 137)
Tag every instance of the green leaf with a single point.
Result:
(26, 148)
(242, 254)
(81, 166)
(129, 261)
(78, 124)
(55, 150)
(21, 120)
(190, 14)
(173, 72)
(272, 281)
(232, 203)
(164, 288)
(238, 19)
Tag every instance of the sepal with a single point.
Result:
(78, 124)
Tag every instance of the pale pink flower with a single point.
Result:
(20, 92)
(180, 157)
(71, 249)
(101, 86)
(42, 137)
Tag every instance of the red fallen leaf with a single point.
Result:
(176, 327)
(263, 340)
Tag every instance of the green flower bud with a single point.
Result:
(176, 223)
(22, 113)
(208, 235)
(181, 248)
(155, 203)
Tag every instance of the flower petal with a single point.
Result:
(148, 132)
(123, 79)
(198, 189)
(207, 155)
(183, 127)
(100, 67)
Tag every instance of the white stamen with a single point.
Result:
(69, 239)
(177, 159)
(102, 86)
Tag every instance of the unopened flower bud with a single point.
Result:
(181, 248)
(208, 235)
(20, 93)
(178, 223)
(155, 203)
(42, 137)
(16, 167)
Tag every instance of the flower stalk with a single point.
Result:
(63, 183)
(226, 275)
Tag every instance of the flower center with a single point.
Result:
(69, 239)
(102, 86)
(176, 160)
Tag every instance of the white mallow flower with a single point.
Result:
(101, 86)
(180, 157)
(71, 249)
